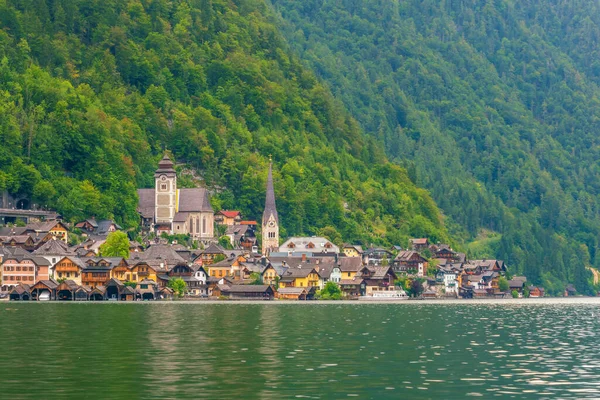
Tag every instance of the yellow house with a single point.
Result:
(352, 251)
(300, 277)
(141, 271)
(59, 231)
(69, 268)
(222, 268)
(121, 272)
(270, 275)
(349, 267)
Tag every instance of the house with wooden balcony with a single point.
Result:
(97, 270)
(69, 268)
(143, 271)
(377, 278)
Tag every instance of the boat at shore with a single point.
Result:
(384, 295)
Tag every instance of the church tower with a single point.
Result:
(270, 220)
(166, 195)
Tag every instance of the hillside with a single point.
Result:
(92, 92)
(492, 106)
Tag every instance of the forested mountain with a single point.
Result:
(494, 104)
(93, 91)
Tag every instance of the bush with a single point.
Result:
(331, 291)
(515, 294)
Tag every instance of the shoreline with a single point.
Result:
(516, 302)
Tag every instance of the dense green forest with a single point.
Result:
(493, 106)
(93, 91)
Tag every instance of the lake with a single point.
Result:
(510, 348)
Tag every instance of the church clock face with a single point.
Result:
(271, 224)
(163, 178)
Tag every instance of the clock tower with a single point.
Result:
(166, 194)
(270, 220)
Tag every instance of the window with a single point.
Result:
(203, 224)
(348, 274)
(163, 187)
(18, 268)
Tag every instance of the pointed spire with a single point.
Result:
(270, 208)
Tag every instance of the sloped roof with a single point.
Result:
(292, 290)
(146, 202)
(213, 249)
(104, 226)
(194, 200)
(246, 288)
(406, 255)
(229, 214)
(350, 264)
(54, 247)
(161, 252)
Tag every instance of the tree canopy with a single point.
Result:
(92, 92)
(492, 106)
(116, 245)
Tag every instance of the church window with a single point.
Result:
(203, 224)
(197, 225)
(163, 187)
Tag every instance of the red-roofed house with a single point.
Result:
(226, 217)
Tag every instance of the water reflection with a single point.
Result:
(268, 351)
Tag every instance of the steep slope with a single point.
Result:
(495, 104)
(92, 91)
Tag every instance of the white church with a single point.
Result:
(176, 211)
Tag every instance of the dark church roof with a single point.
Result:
(270, 208)
(146, 204)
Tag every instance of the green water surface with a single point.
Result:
(282, 351)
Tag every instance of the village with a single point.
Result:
(37, 262)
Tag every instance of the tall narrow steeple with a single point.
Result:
(270, 220)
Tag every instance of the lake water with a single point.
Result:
(519, 349)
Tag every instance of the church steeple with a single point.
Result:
(270, 208)
(270, 220)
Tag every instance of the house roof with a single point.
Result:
(54, 247)
(406, 255)
(350, 264)
(355, 281)
(421, 241)
(247, 288)
(292, 290)
(312, 244)
(359, 249)
(104, 227)
(229, 213)
(161, 252)
(213, 249)
(379, 272)
(300, 271)
(515, 283)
